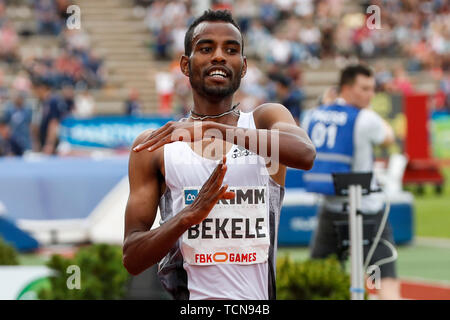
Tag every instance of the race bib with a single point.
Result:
(235, 232)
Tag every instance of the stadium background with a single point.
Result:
(119, 73)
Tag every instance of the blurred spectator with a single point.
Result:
(165, 90)
(289, 96)
(47, 116)
(280, 50)
(69, 98)
(163, 41)
(132, 104)
(84, 104)
(268, 14)
(244, 11)
(49, 23)
(3, 89)
(177, 38)
(76, 40)
(22, 82)
(417, 29)
(310, 36)
(18, 115)
(9, 43)
(252, 83)
(93, 72)
(401, 82)
(258, 40)
(153, 18)
(68, 67)
(5, 144)
(182, 97)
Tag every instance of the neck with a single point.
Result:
(208, 106)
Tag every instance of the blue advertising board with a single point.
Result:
(298, 219)
(113, 132)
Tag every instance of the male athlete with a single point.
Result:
(344, 133)
(212, 177)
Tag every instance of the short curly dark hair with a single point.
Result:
(209, 15)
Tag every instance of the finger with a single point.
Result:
(217, 182)
(159, 130)
(224, 194)
(150, 145)
(218, 194)
(149, 140)
(160, 136)
(221, 174)
(160, 143)
(228, 195)
(211, 184)
(142, 145)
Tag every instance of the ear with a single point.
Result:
(244, 67)
(184, 65)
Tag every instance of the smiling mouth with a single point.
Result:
(218, 74)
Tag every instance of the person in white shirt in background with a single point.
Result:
(356, 90)
(84, 104)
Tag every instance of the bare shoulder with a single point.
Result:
(141, 137)
(270, 106)
(150, 162)
(265, 115)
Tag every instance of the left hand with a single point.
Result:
(172, 131)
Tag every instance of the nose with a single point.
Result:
(218, 56)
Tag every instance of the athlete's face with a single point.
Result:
(216, 64)
(362, 91)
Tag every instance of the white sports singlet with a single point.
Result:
(232, 253)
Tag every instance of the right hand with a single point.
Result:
(211, 192)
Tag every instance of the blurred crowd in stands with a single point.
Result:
(286, 35)
(40, 84)
(45, 84)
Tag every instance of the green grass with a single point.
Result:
(433, 211)
(32, 259)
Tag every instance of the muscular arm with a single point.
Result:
(294, 147)
(276, 130)
(143, 247)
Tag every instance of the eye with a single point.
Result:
(232, 50)
(205, 49)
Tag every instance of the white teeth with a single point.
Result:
(217, 73)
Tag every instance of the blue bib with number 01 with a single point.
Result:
(331, 131)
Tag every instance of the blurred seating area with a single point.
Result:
(124, 60)
(70, 59)
(307, 41)
(46, 73)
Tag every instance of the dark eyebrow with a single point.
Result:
(235, 42)
(209, 41)
(204, 41)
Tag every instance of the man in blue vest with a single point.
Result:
(344, 133)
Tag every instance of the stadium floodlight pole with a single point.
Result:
(356, 245)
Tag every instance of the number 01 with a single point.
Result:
(321, 133)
